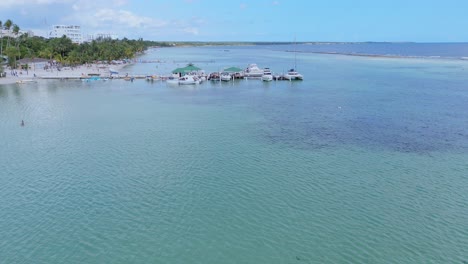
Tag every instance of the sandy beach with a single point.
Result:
(65, 72)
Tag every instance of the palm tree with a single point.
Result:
(1, 37)
(16, 30)
(46, 53)
(12, 54)
(7, 26)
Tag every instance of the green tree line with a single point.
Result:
(17, 46)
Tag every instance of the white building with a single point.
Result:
(72, 32)
(9, 33)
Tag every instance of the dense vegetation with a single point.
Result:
(17, 46)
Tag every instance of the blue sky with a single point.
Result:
(261, 20)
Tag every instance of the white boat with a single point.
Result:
(189, 79)
(292, 75)
(267, 76)
(172, 81)
(253, 71)
(200, 75)
(25, 81)
(152, 78)
(214, 76)
(226, 77)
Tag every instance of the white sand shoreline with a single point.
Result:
(65, 72)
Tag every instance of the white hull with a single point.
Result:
(292, 78)
(189, 83)
(25, 81)
(189, 80)
(267, 78)
(292, 75)
(172, 81)
(226, 77)
(253, 71)
(253, 75)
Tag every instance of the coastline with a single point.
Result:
(103, 70)
(390, 56)
(82, 71)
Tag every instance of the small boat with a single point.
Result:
(151, 78)
(226, 77)
(198, 76)
(267, 76)
(189, 80)
(172, 80)
(214, 76)
(25, 81)
(293, 75)
(253, 71)
(92, 79)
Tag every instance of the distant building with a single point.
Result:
(32, 64)
(71, 31)
(9, 33)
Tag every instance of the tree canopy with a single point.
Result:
(64, 51)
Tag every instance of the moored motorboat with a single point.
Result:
(226, 77)
(25, 81)
(293, 75)
(172, 80)
(253, 71)
(189, 79)
(214, 76)
(267, 76)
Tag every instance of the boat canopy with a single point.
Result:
(233, 69)
(189, 68)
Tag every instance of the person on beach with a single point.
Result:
(22, 122)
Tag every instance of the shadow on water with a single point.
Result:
(3, 92)
(414, 124)
(406, 116)
(17, 93)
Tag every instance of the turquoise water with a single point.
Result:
(366, 161)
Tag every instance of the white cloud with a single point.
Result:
(95, 16)
(89, 15)
(24, 12)
(123, 18)
(89, 5)
(275, 3)
(191, 30)
(120, 2)
(197, 20)
(12, 3)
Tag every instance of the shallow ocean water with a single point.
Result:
(366, 160)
